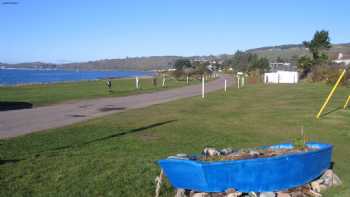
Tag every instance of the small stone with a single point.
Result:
(236, 194)
(282, 194)
(315, 186)
(254, 153)
(235, 154)
(313, 193)
(202, 194)
(267, 194)
(174, 157)
(330, 178)
(211, 152)
(297, 194)
(181, 155)
(252, 194)
(230, 190)
(217, 194)
(180, 193)
(327, 177)
(336, 180)
(226, 151)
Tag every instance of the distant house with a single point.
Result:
(342, 59)
(284, 66)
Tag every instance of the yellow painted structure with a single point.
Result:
(346, 102)
(330, 94)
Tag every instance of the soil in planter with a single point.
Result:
(213, 155)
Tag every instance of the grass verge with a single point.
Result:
(115, 155)
(44, 94)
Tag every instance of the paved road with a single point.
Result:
(20, 122)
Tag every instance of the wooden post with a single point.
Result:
(163, 83)
(159, 183)
(225, 85)
(238, 80)
(203, 90)
(137, 82)
(243, 80)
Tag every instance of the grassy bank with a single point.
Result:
(114, 155)
(45, 94)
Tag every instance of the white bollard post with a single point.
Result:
(163, 83)
(137, 82)
(238, 80)
(187, 79)
(225, 85)
(203, 80)
(243, 81)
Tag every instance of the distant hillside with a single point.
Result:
(137, 63)
(288, 52)
(291, 51)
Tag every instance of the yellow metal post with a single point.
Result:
(346, 102)
(330, 94)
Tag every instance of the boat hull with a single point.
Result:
(258, 175)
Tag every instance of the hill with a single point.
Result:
(288, 52)
(291, 51)
(135, 63)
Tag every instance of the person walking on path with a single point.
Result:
(109, 84)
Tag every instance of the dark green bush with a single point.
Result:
(329, 74)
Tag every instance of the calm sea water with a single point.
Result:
(27, 76)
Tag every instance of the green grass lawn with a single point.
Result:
(45, 94)
(115, 155)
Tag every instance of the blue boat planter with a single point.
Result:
(257, 175)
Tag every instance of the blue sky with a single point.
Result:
(81, 30)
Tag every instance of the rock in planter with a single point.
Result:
(315, 186)
(236, 194)
(226, 151)
(202, 194)
(254, 153)
(180, 193)
(267, 194)
(252, 194)
(282, 194)
(329, 178)
(211, 152)
(232, 193)
(179, 156)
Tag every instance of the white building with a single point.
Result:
(290, 77)
(342, 60)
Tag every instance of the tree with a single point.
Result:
(279, 59)
(201, 68)
(305, 64)
(180, 64)
(318, 44)
(240, 61)
(259, 64)
(243, 61)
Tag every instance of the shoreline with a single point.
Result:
(64, 82)
(147, 74)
